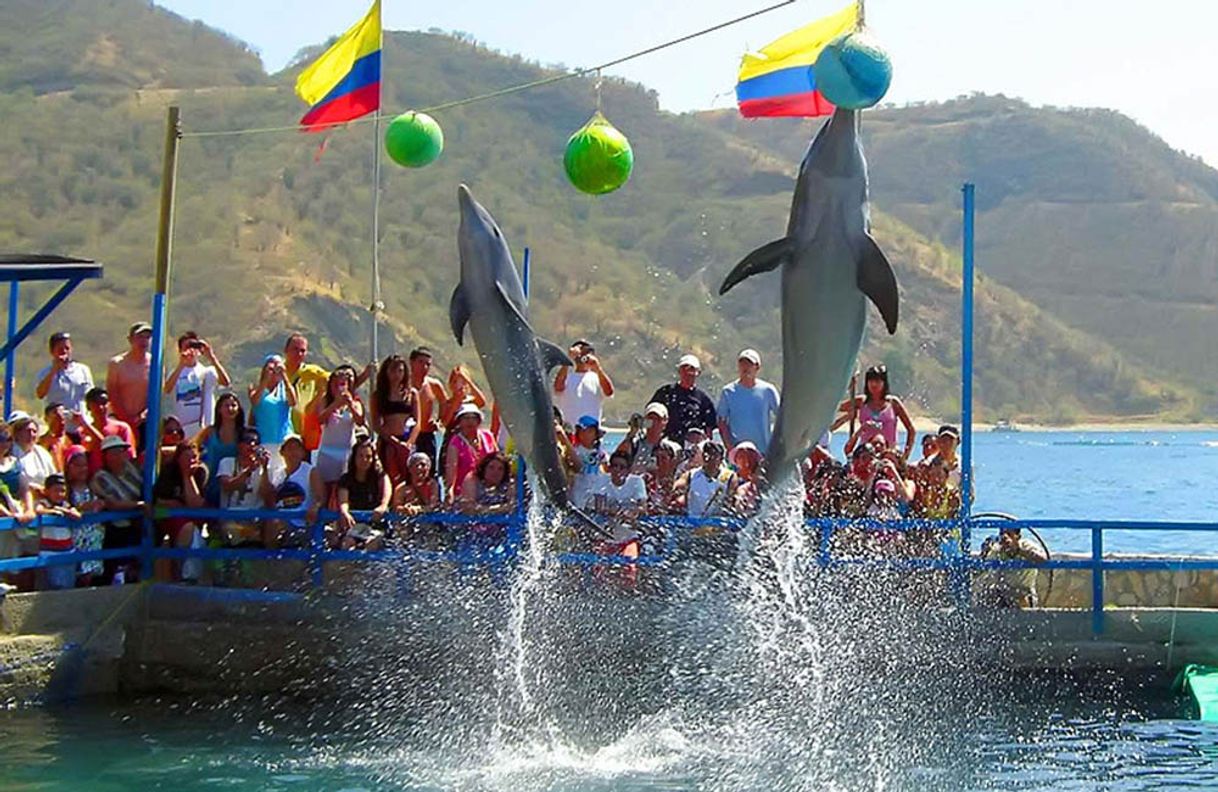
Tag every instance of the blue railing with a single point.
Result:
(674, 529)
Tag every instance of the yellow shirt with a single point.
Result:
(309, 380)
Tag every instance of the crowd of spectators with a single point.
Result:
(303, 438)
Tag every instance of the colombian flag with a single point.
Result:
(345, 82)
(779, 80)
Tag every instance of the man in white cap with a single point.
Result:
(36, 463)
(747, 407)
(687, 405)
(641, 450)
(582, 391)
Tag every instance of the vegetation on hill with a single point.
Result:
(273, 235)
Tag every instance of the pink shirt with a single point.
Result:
(468, 456)
(886, 418)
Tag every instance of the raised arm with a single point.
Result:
(911, 434)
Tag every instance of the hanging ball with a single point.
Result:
(853, 71)
(599, 158)
(413, 140)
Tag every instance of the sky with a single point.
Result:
(1153, 61)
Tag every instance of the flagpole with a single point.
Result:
(376, 306)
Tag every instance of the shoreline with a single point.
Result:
(923, 424)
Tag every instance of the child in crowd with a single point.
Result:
(55, 536)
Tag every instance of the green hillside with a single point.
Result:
(272, 237)
(1084, 212)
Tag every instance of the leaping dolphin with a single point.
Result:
(829, 264)
(491, 301)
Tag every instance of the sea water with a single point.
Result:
(752, 672)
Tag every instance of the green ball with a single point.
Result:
(598, 158)
(413, 140)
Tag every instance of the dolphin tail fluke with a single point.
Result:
(458, 314)
(876, 279)
(552, 355)
(766, 258)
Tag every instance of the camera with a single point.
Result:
(195, 345)
(636, 422)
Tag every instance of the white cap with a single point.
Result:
(740, 448)
(657, 408)
(751, 355)
(19, 417)
(469, 408)
(690, 360)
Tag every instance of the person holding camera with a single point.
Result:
(645, 435)
(582, 391)
(64, 381)
(193, 384)
(245, 484)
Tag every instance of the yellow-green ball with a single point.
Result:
(598, 158)
(413, 140)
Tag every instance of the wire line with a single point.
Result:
(581, 72)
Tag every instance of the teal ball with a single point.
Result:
(853, 71)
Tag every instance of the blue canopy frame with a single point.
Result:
(16, 268)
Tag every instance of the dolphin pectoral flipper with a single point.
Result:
(766, 258)
(458, 314)
(875, 279)
(552, 355)
(512, 306)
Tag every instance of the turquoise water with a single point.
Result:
(770, 677)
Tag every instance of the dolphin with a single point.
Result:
(830, 267)
(490, 300)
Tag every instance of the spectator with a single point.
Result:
(14, 481)
(946, 444)
(1014, 588)
(622, 499)
(88, 536)
(687, 405)
(936, 498)
(35, 462)
(297, 485)
(55, 439)
(662, 497)
(365, 487)
(101, 424)
(748, 406)
(825, 489)
(339, 411)
(488, 490)
(181, 484)
(56, 534)
(878, 412)
(218, 441)
(930, 447)
(582, 391)
(171, 435)
(65, 380)
(746, 459)
(642, 448)
(710, 489)
(470, 444)
(271, 404)
(461, 390)
(432, 398)
(193, 384)
(883, 504)
(245, 484)
(119, 484)
(418, 494)
(692, 449)
(127, 379)
(586, 460)
(309, 380)
(394, 411)
(856, 486)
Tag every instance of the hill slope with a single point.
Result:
(1084, 212)
(272, 237)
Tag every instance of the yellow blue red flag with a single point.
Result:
(780, 79)
(345, 82)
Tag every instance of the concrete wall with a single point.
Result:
(172, 639)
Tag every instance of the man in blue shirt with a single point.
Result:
(747, 407)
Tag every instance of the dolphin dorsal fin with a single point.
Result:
(875, 279)
(551, 354)
(766, 258)
(458, 314)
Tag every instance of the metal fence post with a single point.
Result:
(10, 360)
(1097, 581)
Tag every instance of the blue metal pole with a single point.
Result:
(1097, 581)
(527, 270)
(152, 423)
(517, 528)
(966, 367)
(10, 359)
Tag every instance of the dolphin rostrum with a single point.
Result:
(830, 263)
(491, 301)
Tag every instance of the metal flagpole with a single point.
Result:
(377, 305)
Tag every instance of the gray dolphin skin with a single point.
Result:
(490, 300)
(830, 266)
